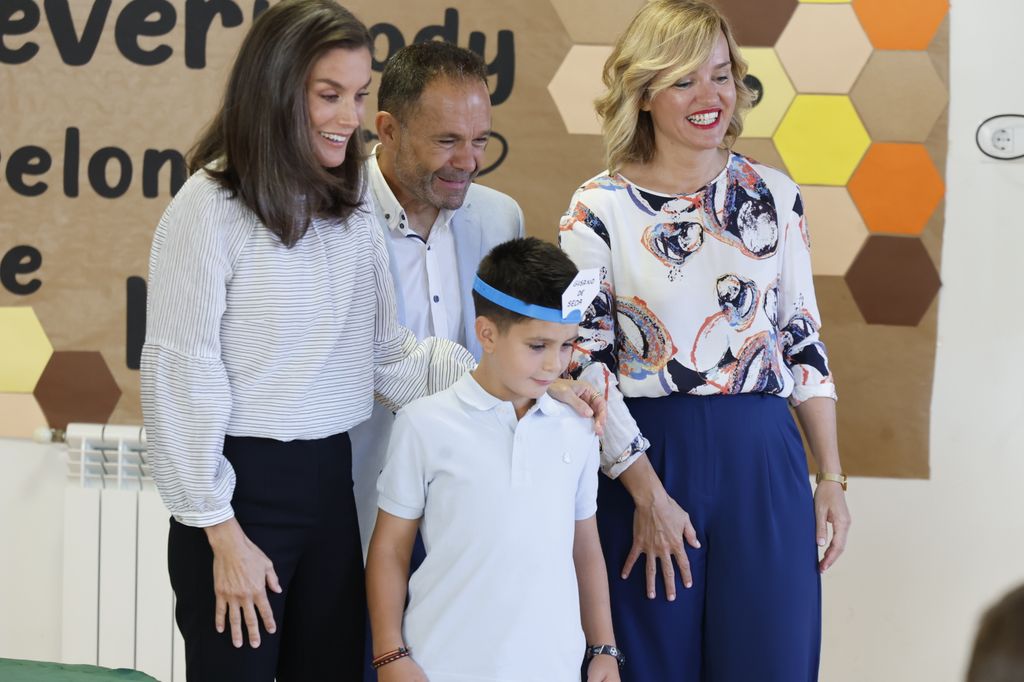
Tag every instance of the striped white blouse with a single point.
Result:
(245, 337)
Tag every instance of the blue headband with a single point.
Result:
(525, 309)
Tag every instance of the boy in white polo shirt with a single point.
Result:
(501, 481)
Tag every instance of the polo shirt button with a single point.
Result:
(388, 216)
(565, 457)
(436, 299)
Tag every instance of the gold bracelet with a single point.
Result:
(836, 478)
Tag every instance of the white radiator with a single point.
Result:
(118, 607)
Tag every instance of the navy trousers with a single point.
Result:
(295, 502)
(737, 465)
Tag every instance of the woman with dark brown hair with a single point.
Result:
(271, 325)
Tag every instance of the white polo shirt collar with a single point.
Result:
(470, 392)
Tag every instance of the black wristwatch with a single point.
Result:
(608, 650)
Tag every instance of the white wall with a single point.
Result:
(31, 549)
(925, 556)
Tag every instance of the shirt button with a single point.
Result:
(428, 248)
(401, 225)
(388, 216)
(436, 299)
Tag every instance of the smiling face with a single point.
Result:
(440, 148)
(521, 361)
(335, 97)
(693, 114)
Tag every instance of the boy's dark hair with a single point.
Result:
(529, 269)
(998, 655)
(410, 70)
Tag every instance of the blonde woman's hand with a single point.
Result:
(830, 509)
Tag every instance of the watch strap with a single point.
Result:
(607, 650)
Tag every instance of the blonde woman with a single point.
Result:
(705, 332)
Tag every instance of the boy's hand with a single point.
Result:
(402, 670)
(603, 668)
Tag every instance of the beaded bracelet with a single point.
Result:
(390, 657)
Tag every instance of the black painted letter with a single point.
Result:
(28, 160)
(20, 260)
(98, 172)
(135, 21)
(9, 26)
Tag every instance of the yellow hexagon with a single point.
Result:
(575, 86)
(24, 350)
(776, 92)
(821, 139)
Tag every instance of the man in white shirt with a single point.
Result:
(434, 122)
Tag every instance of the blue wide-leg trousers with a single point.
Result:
(737, 465)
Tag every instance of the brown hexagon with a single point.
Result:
(893, 280)
(586, 26)
(899, 96)
(76, 386)
(883, 375)
(757, 24)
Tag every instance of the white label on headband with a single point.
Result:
(581, 292)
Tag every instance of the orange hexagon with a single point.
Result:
(900, 24)
(896, 188)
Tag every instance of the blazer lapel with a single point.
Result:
(466, 231)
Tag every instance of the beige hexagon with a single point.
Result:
(585, 25)
(575, 86)
(823, 48)
(24, 349)
(899, 96)
(836, 228)
(776, 96)
(760, 149)
(20, 415)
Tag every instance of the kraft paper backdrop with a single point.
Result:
(91, 245)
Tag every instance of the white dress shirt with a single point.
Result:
(496, 599)
(430, 274)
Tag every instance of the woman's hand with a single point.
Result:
(582, 397)
(830, 508)
(603, 668)
(659, 527)
(402, 670)
(241, 575)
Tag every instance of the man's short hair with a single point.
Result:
(414, 67)
(532, 270)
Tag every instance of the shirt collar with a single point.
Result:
(394, 214)
(473, 394)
